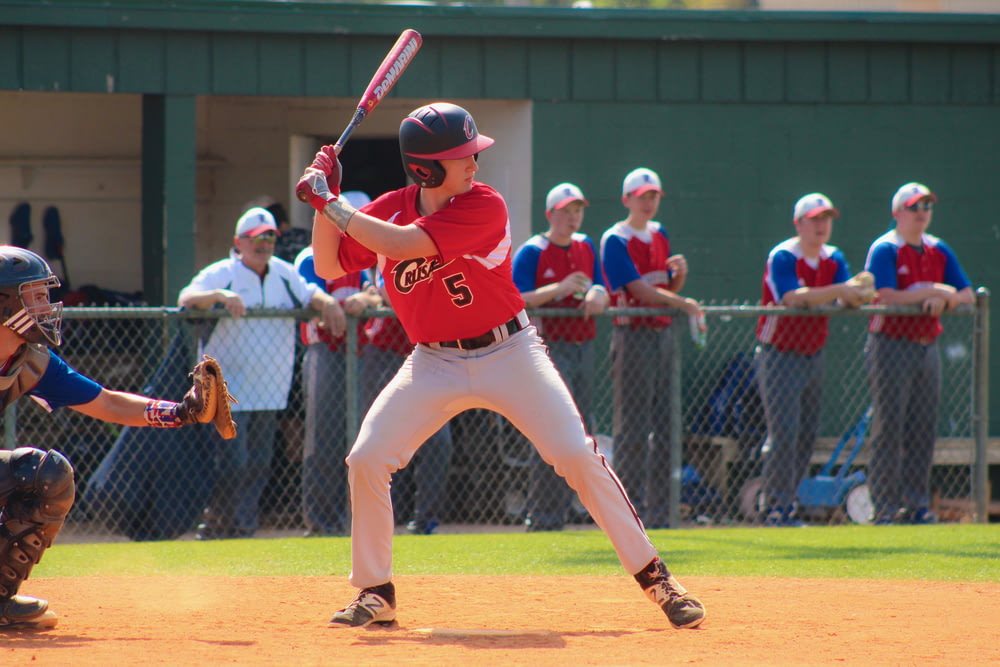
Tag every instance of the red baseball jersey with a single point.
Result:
(463, 291)
(787, 270)
(898, 265)
(387, 333)
(340, 289)
(628, 255)
(540, 262)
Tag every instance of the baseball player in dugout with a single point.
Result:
(560, 268)
(641, 272)
(37, 486)
(443, 246)
(801, 272)
(911, 267)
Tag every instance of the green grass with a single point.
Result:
(946, 553)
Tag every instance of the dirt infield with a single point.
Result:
(515, 620)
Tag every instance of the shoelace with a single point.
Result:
(661, 592)
(357, 601)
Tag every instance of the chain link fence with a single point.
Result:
(145, 484)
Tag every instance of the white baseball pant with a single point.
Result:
(515, 378)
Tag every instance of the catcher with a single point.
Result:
(37, 486)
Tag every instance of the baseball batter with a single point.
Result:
(444, 249)
(37, 486)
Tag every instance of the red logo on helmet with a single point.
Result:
(470, 130)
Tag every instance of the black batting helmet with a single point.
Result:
(25, 281)
(437, 131)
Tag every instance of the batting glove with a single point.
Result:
(320, 183)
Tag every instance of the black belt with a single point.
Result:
(512, 326)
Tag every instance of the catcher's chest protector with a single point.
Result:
(24, 372)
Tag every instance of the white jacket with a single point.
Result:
(257, 355)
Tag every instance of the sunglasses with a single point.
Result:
(921, 206)
(266, 237)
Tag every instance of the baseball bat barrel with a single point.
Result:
(392, 67)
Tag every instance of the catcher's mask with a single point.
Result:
(437, 131)
(25, 281)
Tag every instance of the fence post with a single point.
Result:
(980, 403)
(10, 426)
(351, 380)
(676, 427)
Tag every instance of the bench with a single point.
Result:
(713, 455)
(947, 452)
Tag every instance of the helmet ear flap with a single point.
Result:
(10, 303)
(426, 173)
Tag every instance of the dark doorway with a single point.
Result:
(370, 165)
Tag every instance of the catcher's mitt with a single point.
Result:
(208, 398)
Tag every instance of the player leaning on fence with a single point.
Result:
(911, 267)
(560, 268)
(801, 272)
(252, 277)
(641, 272)
(37, 486)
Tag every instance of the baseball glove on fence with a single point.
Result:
(864, 282)
(208, 399)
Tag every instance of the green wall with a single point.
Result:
(733, 171)
(740, 112)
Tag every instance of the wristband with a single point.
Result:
(162, 414)
(339, 212)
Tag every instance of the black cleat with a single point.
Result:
(373, 605)
(21, 612)
(683, 610)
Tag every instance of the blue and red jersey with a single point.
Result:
(628, 254)
(898, 265)
(310, 332)
(539, 262)
(467, 287)
(787, 270)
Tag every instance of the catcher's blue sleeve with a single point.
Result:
(60, 386)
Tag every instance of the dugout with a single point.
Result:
(150, 124)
